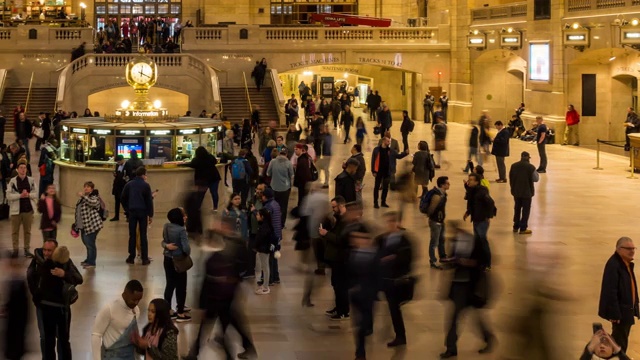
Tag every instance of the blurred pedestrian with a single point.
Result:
(16, 308)
(51, 209)
(118, 185)
(364, 276)
(395, 256)
(469, 289)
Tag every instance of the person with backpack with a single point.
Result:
(481, 208)
(423, 168)
(89, 221)
(46, 167)
(433, 204)
(406, 127)
(52, 278)
(241, 171)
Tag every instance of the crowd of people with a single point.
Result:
(329, 231)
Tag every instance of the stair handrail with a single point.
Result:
(246, 89)
(279, 94)
(3, 80)
(26, 104)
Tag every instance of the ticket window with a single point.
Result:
(74, 144)
(102, 145)
(209, 139)
(187, 141)
(160, 144)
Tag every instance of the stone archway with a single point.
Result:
(498, 83)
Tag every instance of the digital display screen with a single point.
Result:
(124, 146)
(539, 62)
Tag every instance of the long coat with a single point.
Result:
(616, 299)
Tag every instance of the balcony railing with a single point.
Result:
(588, 5)
(180, 63)
(499, 12)
(38, 37)
(234, 35)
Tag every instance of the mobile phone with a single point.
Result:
(597, 327)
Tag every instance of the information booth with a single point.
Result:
(88, 147)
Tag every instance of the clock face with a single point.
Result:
(141, 73)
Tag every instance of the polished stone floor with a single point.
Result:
(577, 215)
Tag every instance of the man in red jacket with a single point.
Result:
(573, 119)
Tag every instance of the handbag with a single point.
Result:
(182, 263)
(4, 209)
(38, 132)
(404, 288)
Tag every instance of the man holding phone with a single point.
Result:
(619, 292)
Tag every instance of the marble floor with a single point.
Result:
(577, 215)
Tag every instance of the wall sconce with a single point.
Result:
(576, 36)
(476, 40)
(510, 38)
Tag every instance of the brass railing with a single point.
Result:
(246, 90)
(499, 12)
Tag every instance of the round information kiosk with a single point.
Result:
(88, 146)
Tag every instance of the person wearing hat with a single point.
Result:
(522, 175)
(346, 182)
(118, 185)
(444, 104)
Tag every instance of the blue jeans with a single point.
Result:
(213, 187)
(89, 241)
(437, 241)
(25, 142)
(138, 218)
(480, 229)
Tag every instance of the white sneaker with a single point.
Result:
(262, 291)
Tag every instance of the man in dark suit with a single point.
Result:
(619, 292)
(501, 150)
(521, 178)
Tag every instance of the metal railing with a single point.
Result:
(499, 12)
(587, 5)
(3, 80)
(246, 90)
(278, 94)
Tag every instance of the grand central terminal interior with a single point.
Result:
(165, 77)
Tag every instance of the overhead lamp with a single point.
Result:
(307, 73)
(125, 104)
(476, 32)
(635, 22)
(83, 5)
(157, 104)
(575, 26)
(612, 58)
(345, 75)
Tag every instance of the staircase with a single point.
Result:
(42, 99)
(235, 108)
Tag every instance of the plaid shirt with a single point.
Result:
(87, 210)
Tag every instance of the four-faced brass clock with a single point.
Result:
(141, 73)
